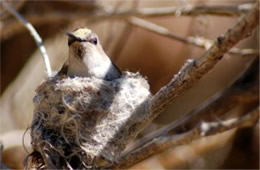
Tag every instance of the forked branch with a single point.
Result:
(203, 120)
(195, 69)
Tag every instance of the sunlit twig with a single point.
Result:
(34, 34)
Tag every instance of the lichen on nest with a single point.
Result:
(85, 122)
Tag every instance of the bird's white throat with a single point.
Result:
(94, 65)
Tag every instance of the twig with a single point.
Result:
(180, 11)
(190, 73)
(196, 41)
(6, 14)
(195, 69)
(167, 139)
(220, 104)
(110, 13)
(211, 128)
(34, 34)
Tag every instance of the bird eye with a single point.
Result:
(94, 41)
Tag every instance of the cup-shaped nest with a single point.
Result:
(85, 122)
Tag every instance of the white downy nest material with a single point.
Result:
(86, 122)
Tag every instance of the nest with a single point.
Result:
(85, 122)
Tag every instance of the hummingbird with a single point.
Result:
(87, 57)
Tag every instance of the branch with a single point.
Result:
(196, 41)
(212, 128)
(110, 13)
(180, 11)
(235, 97)
(163, 142)
(16, 5)
(167, 140)
(34, 34)
(190, 73)
(195, 69)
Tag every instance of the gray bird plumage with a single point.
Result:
(87, 57)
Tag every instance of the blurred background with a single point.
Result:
(131, 48)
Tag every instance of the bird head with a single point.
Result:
(84, 43)
(86, 56)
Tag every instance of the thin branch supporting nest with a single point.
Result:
(200, 123)
(87, 122)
